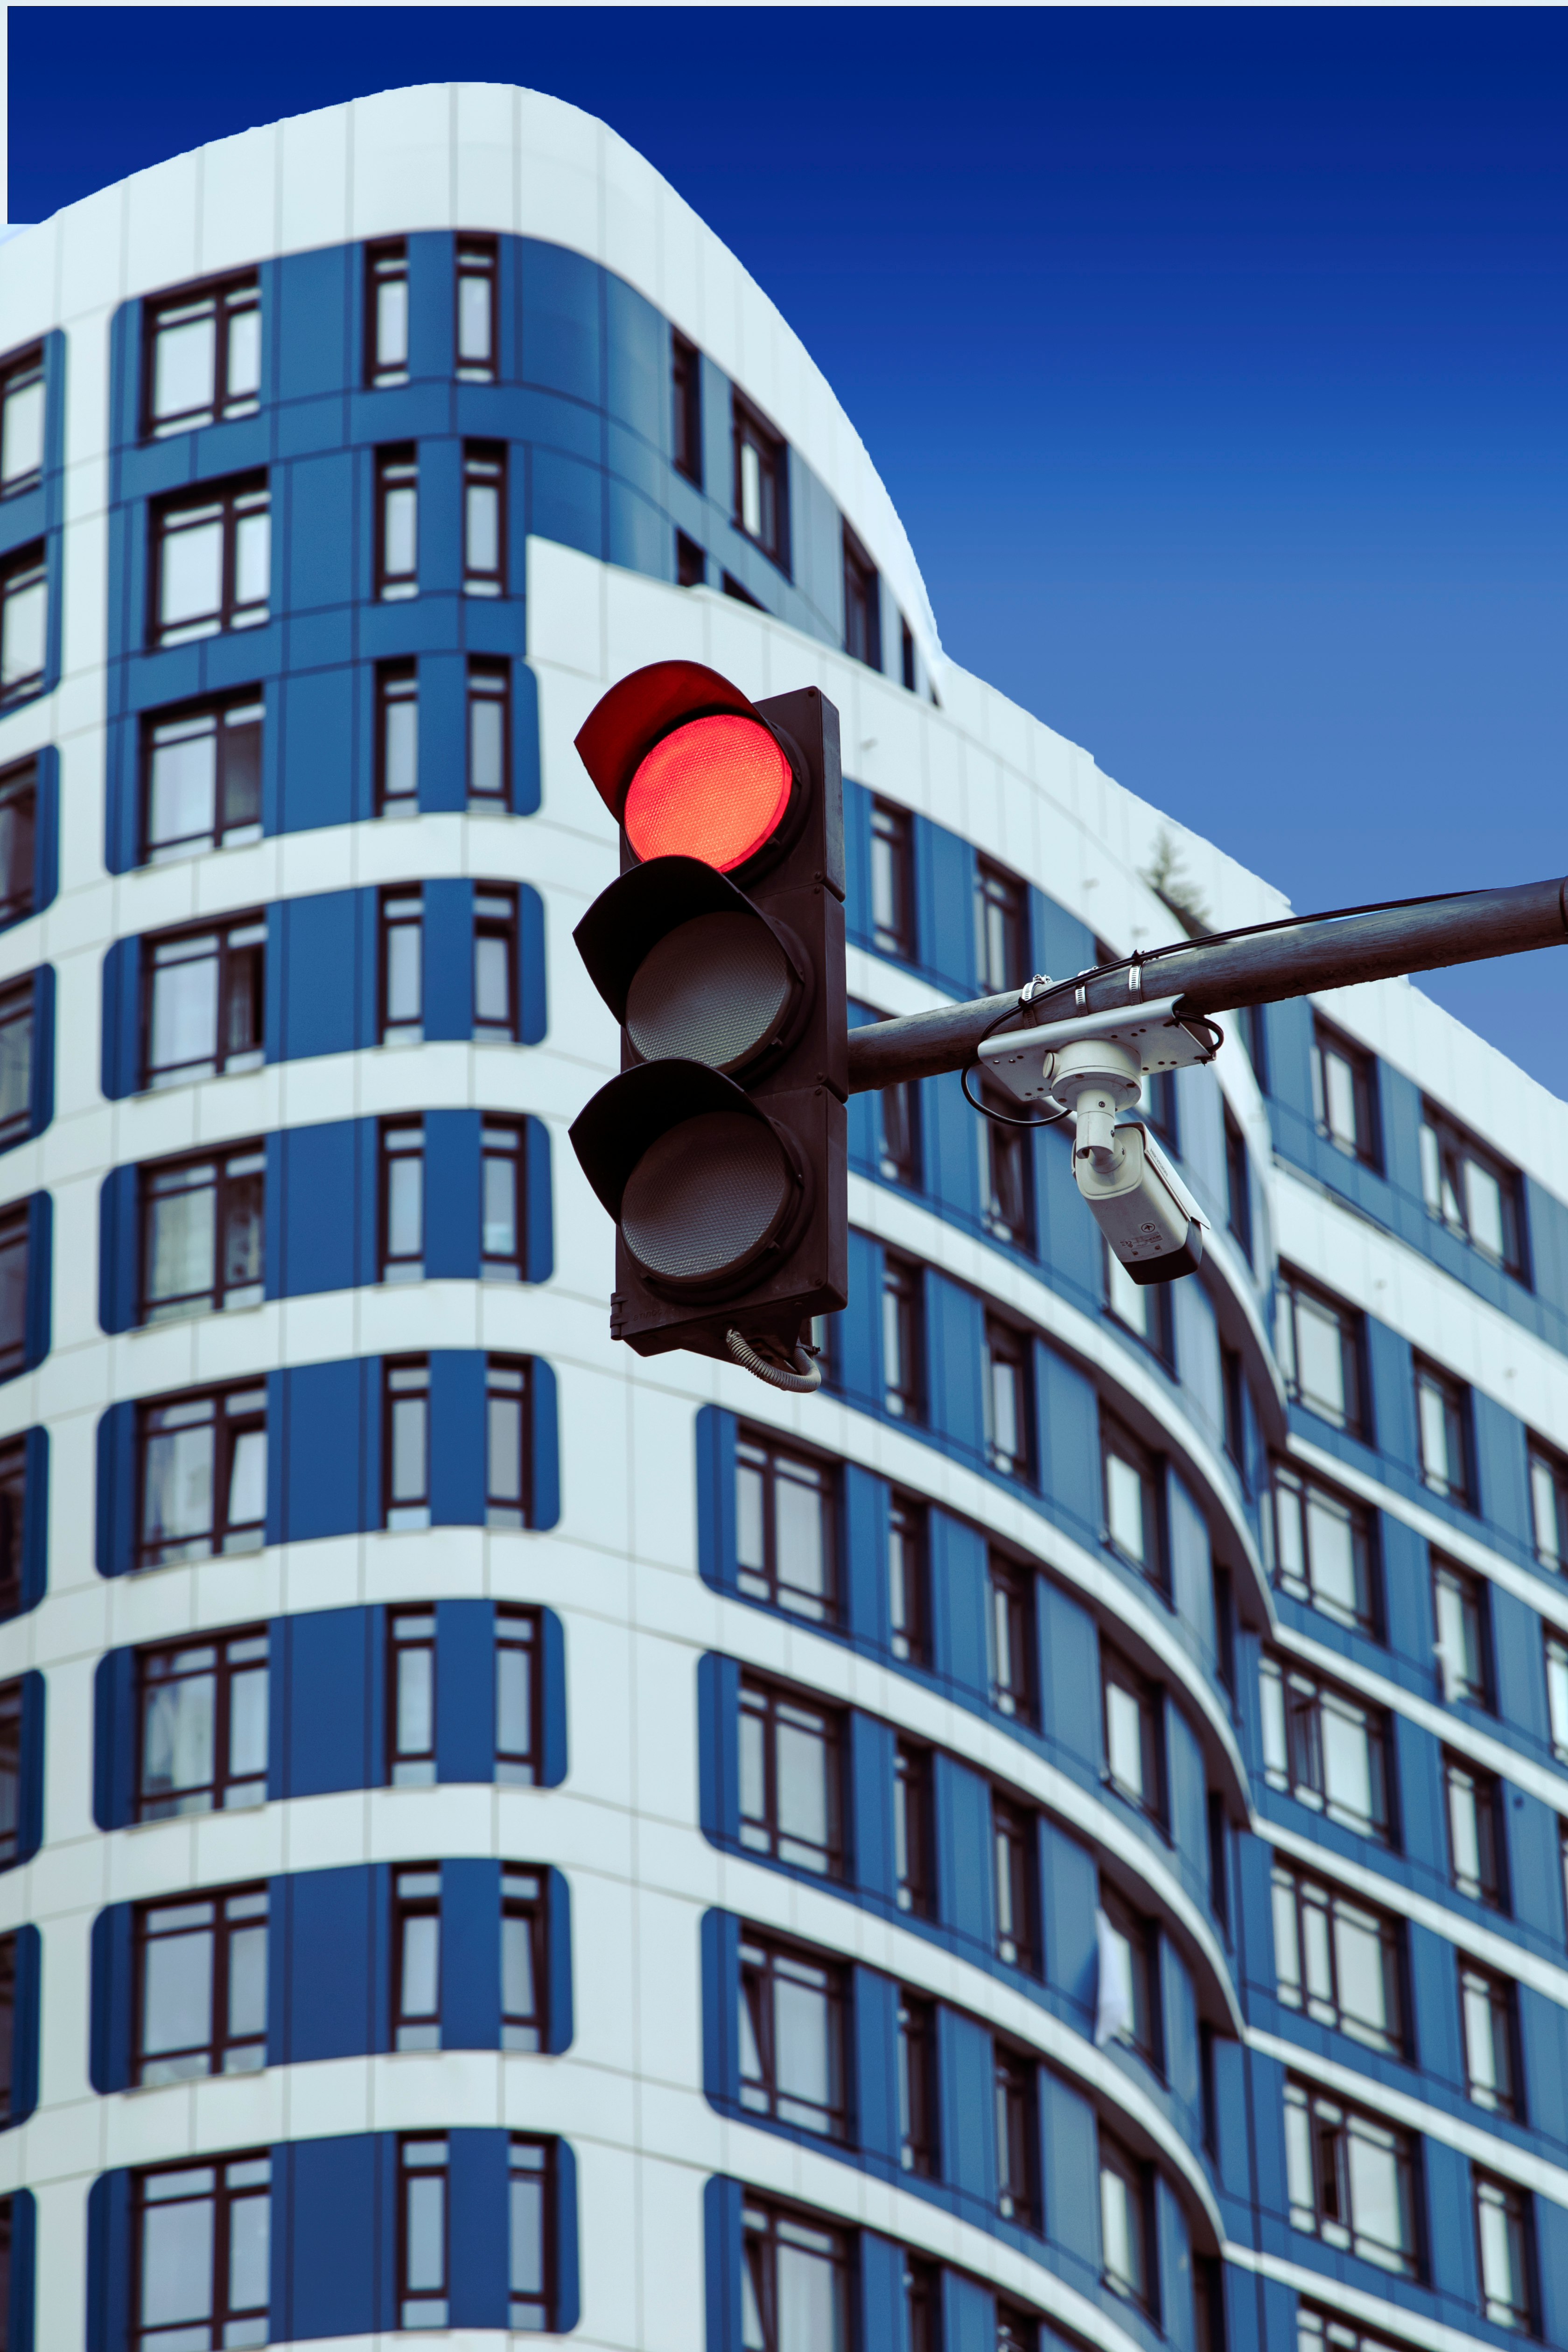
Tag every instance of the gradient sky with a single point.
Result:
(1216, 361)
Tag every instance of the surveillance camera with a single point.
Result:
(1140, 1205)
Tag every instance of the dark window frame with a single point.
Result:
(1303, 1696)
(1001, 926)
(1117, 1444)
(399, 1143)
(909, 1578)
(228, 1662)
(1010, 1623)
(1294, 1290)
(1006, 1175)
(1503, 2093)
(232, 502)
(385, 263)
(415, 1896)
(533, 2159)
(231, 1424)
(893, 882)
(416, 2301)
(411, 1631)
(1238, 1185)
(21, 371)
(1007, 1341)
(222, 1927)
(686, 407)
(236, 825)
(903, 1338)
(1363, 1141)
(1015, 1879)
(488, 688)
(1307, 1585)
(1332, 2122)
(1458, 1434)
(236, 294)
(16, 1010)
(520, 1632)
(18, 837)
(1144, 2033)
(509, 1384)
(22, 572)
(401, 907)
(760, 1456)
(1488, 1882)
(862, 602)
(403, 1377)
(919, 2134)
(765, 1958)
(1444, 1190)
(750, 430)
(1303, 1891)
(1548, 1468)
(15, 1243)
(525, 1902)
(485, 469)
(1153, 1798)
(914, 1830)
(1474, 1682)
(396, 688)
(478, 263)
(238, 948)
(14, 1509)
(1517, 2206)
(764, 2220)
(1134, 2175)
(235, 1169)
(503, 1143)
(396, 472)
(765, 1701)
(496, 917)
(223, 2193)
(1015, 2075)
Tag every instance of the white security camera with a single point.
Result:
(1093, 1069)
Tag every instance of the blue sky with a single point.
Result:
(1218, 361)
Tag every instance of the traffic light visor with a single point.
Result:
(716, 789)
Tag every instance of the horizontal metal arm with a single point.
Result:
(1265, 967)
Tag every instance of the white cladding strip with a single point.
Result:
(1330, 2292)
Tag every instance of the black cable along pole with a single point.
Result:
(1261, 967)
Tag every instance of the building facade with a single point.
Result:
(1056, 1841)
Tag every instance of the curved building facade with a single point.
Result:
(1056, 1841)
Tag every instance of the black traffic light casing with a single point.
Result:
(728, 1117)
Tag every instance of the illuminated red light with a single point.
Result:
(714, 790)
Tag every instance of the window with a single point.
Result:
(792, 2038)
(1010, 1635)
(201, 2000)
(898, 1115)
(205, 1003)
(1475, 1194)
(202, 778)
(893, 881)
(1441, 1423)
(1143, 1309)
(1132, 1744)
(913, 1822)
(13, 1523)
(1320, 2331)
(794, 2290)
(397, 739)
(1133, 1515)
(686, 389)
(761, 497)
(386, 313)
(907, 647)
(1233, 1392)
(1320, 1354)
(1016, 2331)
(1503, 2243)
(201, 1234)
(495, 965)
(8, 2086)
(1006, 1169)
(203, 1476)
(903, 1296)
(690, 562)
(402, 1201)
(417, 1958)
(489, 734)
(507, 1449)
(790, 1798)
(1352, 2180)
(1474, 1839)
(406, 1445)
(396, 522)
(1008, 1385)
(14, 1256)
(784, 1523)
(862, 604)
(16, 1062)
(1557, 1694)
(203, 356)
(1343, 1096)
(1000, 931)
(1322, 1550)
(484, 519)
(1237, 1186)
(908, 1596)
(24, 623)
(1548, 1507)
(532, 2234)
(1462, 1651)
(917, 2085)
(1325, 1749)
(21, 399)
(478, 309)
(1012, 2078)
(19, 814)
(212, 562)
(411, 1697)
(503, 1203)
(10, 1772)
(402, 967)
(1128, 1999)
(518, 1713)
(202, 1717)
(523, 1958)
(203, 2245)
(1013, 1882)
(1124, 2222)
(1337, 1961)
(1486, 2006)
(422, 2232)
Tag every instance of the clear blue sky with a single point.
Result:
(1218, 361)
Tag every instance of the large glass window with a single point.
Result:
(397, 739)
(898, 1115)
(762, 497)
(484, 519)
(15, 1253)
(203, 356)
(1013, 1837)
(1131, 1499)
(862, 604)
(908, 1609)
(1475, 1831)
(1320, 1354)
(16, 1062)
(791, 1794)
(507, 1453)
(202, 778)
(411, 1697)
(903, 1352)
(914, 1866)
(922, 2305)
(1013, 2086)
(1007, 1173)
(1337, 1960)
(686, 385)
(1345, 1095)
(203, 1476)
(1486, 2009)
(416, 1958)
(397, 523)
(893, 881)
(1141, 1307)
(1463, 1649)
(1557, 1694)
(1549, 1506)
(792, 2037)
(1124, 2222)
(1131, 1730)
(795, 2289)
(202, 2247)
(1352, 2180)
(205, 1003)
(1128, 1999)
(1473, 1193)
(202, 1715)
(18, 818)
(1016, 2330)
(422, 2232)
(24, 623)
(1000, 931)
(386, 313)
(1237, 1186)
(212, 562)
(785, 1529)
(1323, 1549)
(1503, 2247)
(10, 1771)
(1322, 2331)
(402, 967)
(22, 408)
(201, 2006)
(1008, 1446)
(917, 2085)
(1442, 1428)
(1325, 1748)
(1010, 1635)
(519, 1710)
(8, 2088)
(202, 1234)
(402, 1201)
(531, 2231)
(503, 1201)
(495, 965)
(479, 309)
(406, 1445)
(489, 734)
(523, 1952)
(13, 1522)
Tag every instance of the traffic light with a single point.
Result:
(720, 1150)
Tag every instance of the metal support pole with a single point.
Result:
(1263, 967)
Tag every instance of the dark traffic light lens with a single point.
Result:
(716, 989)
(715, 790)
(706, 1197)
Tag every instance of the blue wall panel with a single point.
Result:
(958, 1583)
(1071, 2172)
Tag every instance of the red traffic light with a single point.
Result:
(687, 766)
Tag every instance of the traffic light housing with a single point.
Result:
(719, 1151)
